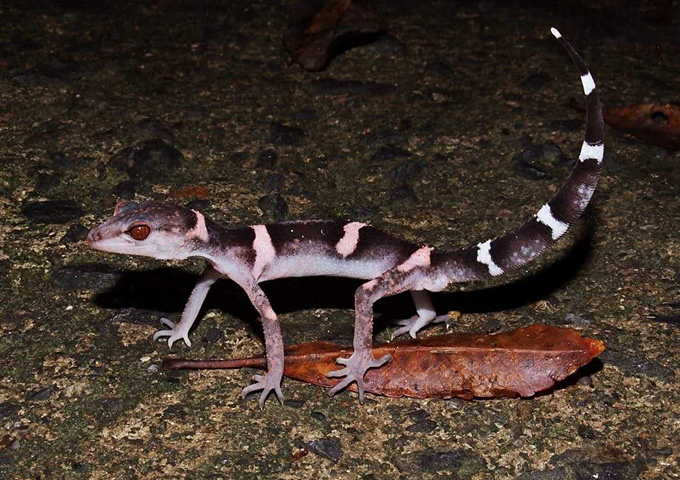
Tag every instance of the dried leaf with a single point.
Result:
(512, 364)
(655, 123)
(196, 191)
(318, 29)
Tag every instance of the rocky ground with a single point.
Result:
(452, 128)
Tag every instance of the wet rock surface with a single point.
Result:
(450, 129)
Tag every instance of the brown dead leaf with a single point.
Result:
(320, 28)
(519, 363)
(191, 192)
(655, 123)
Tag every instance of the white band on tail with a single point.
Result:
(484, 256)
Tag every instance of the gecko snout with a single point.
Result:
(92, 237)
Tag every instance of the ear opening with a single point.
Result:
(125, 207)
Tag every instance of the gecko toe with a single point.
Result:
(267, 383)
(342, 384)
(338, 373)
(162, 333)
(168, 323)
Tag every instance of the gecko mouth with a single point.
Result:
(92, 238)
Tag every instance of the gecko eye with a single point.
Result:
(139, 232)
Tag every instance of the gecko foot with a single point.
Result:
(176, 332)
(414, 324)
(354, 371)
(267, 383)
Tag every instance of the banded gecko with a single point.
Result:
(251, 255)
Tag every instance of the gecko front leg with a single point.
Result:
(180, 331)
(271, 381)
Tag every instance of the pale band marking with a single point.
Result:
(199, 231)
(349, 241)
(419, 258)
(546, 217)
(556, 33)
(588, 83)
(484, 256)
(589, 151)
(264, 250)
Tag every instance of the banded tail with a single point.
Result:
(523, 244)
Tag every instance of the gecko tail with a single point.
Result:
(526, 242)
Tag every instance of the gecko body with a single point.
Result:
(258, 253)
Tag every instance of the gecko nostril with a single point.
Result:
(93, 236)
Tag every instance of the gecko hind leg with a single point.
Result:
(425, 315)
(391, 282)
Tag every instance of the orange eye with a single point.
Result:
(139, 232)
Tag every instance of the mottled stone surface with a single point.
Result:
(416, 134)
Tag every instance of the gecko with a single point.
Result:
(255, 254)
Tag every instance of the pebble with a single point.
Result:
(286, 135)
(154, 128)
(41, 395)
(533, 162)
(59, 160)
(7, 409)
(401, 174)
(46, 182)
(403, 195)
(212, 335)
(294, 403)
(125, 190)
(267, 159)
(318, 416)
(75, 233)
(155, 160)
(198, 204)
(363, 212)
(274, 182)
(151, 160)
(585, 431)
(384, 136)
(422, 426)
(274, 206)
(328, 447)
(137, 316)
(535, 81)
(54, 212)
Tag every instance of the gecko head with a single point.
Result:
(157, 230)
